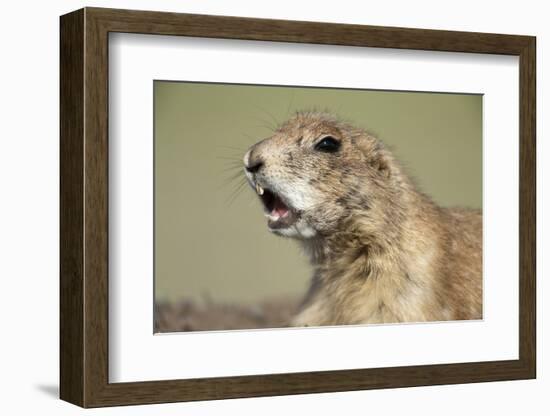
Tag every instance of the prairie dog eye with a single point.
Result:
(328, 145)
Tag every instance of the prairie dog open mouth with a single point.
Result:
(278, 212)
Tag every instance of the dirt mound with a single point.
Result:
(208, 315)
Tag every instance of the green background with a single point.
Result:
(213, 243)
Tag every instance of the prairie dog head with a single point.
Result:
(315, 172)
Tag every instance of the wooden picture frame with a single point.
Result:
(84, 207)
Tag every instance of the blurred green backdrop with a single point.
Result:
(211, 242)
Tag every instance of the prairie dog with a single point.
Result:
(381, 250)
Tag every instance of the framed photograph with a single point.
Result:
(255, 207)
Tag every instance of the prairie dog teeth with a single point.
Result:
(259, 189)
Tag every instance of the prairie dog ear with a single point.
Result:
(381, 163)
(375, 154)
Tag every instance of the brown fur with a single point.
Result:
(382, 250)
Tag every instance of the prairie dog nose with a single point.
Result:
(252, 161)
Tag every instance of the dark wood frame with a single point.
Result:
(84, 207)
